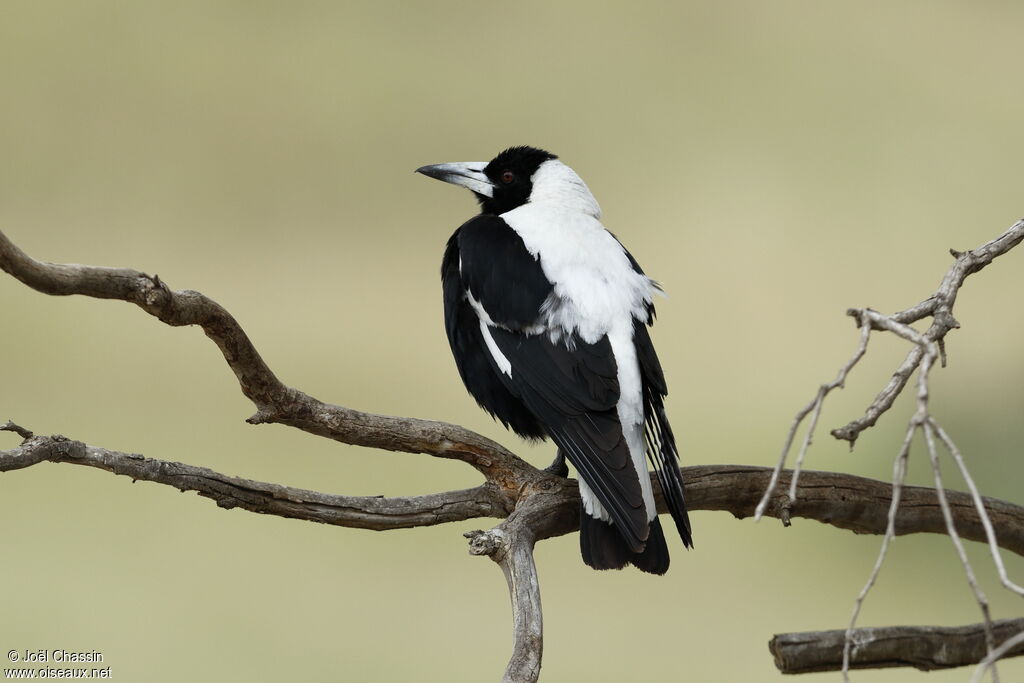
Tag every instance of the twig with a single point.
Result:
(925, 422)
(1014, 646)
(20, 431)
(939, 306)
(815, 405)
(927, 348)
(899, 476)
(990, 533)
(979, 595)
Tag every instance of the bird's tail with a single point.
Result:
(603, 547)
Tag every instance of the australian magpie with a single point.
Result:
(547, 315)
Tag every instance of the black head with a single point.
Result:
(501, 184)
(511, 172)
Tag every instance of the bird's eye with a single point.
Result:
(508, 177)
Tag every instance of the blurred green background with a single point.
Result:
(770, 163)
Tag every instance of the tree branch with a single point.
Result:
(510, 545)
(549, 506)
(841, 500)
(940, 307)
(535, 503)
(363, 512)
(923, 647)
(274, 401)
(928, 348)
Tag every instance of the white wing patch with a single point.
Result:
(591, 505)
(485, 324)
(503, 363)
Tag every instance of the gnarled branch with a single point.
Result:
(844, 501)
(535, 504)
(275, 402)
(363, 512)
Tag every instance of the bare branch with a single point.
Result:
(990, 533)
(548, 506)
(364, 512)
(275, 402)
(923, 647)
(536, 504)
(979, 594)
(940, 307)
(928, 348)
(898, 477)
(815, 406)
(510, 545)
(20, 431)
(844, 501)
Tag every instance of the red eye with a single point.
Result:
(508, 177)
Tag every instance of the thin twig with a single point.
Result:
(939, 306)
(815, 405)
(898, 478)
(990, 533)
(979, 595)
(927, 348)
(996, 655)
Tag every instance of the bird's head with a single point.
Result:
(511, 179)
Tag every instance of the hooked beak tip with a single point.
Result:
(466, 174)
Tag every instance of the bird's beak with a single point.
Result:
(469, 174)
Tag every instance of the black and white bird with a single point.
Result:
(547, 315)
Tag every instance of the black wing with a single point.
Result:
(661, 443)
(500, 273)
(574, 394)
(569, 394)
(462, 325)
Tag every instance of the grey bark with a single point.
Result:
(535, 504)
(923, 647)
(939, 306)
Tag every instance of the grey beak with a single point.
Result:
(469, 174)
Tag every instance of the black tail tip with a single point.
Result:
(601, 544)
(603, 547)
(654, 559)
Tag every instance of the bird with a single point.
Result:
(547, 316)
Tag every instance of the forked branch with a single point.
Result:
(535, 504)
(938, 306)
(928, 348)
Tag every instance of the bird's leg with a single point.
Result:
(558, 467)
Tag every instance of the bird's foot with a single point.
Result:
(558, 467)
